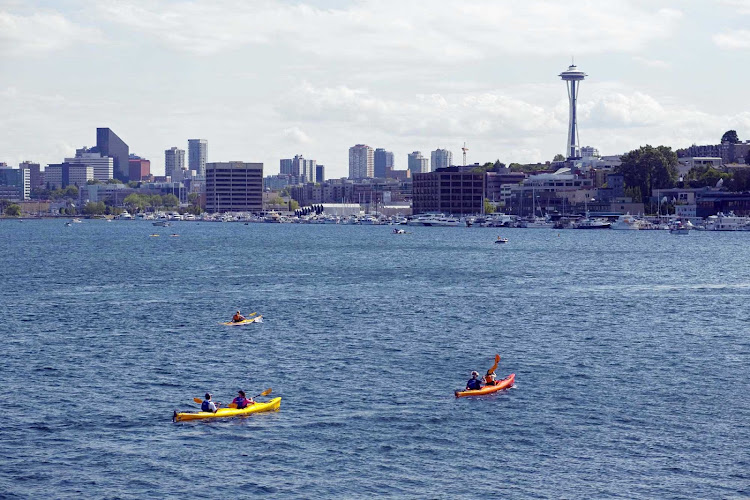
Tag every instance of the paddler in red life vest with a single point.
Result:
(241, 401)
(489, 378)
(238, 317)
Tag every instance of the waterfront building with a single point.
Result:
(496, 182)
(712, 202)
(285, 166)
(441, 158)
(361, 162)
(560, 192)
(320, 173)
(109, 144)
(60, 175)
(139, 168)
(383, 161)
(198, 155)
(174, 161)
(448, 191)
(16, 183)
(417, 163)
(103, 165)
(372, 192)
(398, 174)
(234, 187)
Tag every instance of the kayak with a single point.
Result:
(505, 383)
(272, 405)
(256, 319)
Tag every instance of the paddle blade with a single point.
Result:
(266, 392)
(494, 367)
(198, 400)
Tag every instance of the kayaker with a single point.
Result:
(474, 384)
(241, 401)
(238, 317)
(208, 405)
(489, 377)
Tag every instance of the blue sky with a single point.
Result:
(263, 80)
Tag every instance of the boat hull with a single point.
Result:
(505, 383)
(272, 405)
(256, 319)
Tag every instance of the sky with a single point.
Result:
(262, 80)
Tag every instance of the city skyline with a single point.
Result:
(444, 77)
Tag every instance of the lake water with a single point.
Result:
(631, 353)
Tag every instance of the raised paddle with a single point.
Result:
(494, 367)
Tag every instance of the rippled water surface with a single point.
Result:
(631, 352)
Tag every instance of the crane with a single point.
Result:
(464, 149)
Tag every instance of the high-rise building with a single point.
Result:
(103, 165)
(383, 162)
(448, 191)
(417, 163)
(139, 168)
(234, 187)
(285, 166)
(35, 172)
(361, 162)
(109, 144)
(197, 155)
(62, 175)
(174, 162)
(320, 173)
(18, 179)
(441, 158)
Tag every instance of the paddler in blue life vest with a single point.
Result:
(208, 405)
(241, 401)
(474, 384)
(238, 317)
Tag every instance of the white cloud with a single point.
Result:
(742, 6)
(733, 39)
(652, 63)
(446, 30)
(296, 135)
(40, 32)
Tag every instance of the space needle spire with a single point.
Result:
(571, 77)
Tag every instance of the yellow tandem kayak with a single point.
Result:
(272, 405)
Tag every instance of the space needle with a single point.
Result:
(571, 78)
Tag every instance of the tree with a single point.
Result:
(91, 182)
(170, 200)
(730, 137)
(649, 168)
(293, 205)
(489, 207)
(13, 210)
(194, 198)
(558, 157)
(71, 192)
(94, 208)
(133, 201)
(114, 181)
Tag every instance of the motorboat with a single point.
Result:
(501, 240)
(626, 222)
(399, 231)
(595, 223)
(431, 220)
(76, 221)
(678, 227)
(535, 222)
(162, 223)
(125, 215)
(729, 222)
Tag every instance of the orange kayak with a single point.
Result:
(489, 389)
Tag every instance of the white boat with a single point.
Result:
(730, 222)
(76, 221)
(626, 223)
(501, 240)
(399, 231)
(678, 227)
(125, 215)
(595, 223)
(535, 222)
(369, 220)
(161, 223)
(431, 220)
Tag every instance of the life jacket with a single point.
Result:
(474, 384)
(205, 406)
(241, 402)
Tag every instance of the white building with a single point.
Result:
(441, 158)
(304, 170)
(103, 165)
(174, 161)
(417, 163)
(66, 174)
(686, 164)
(361, 162)
(197, 156)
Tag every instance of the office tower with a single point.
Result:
(103, 165)
(441, 158)
(417, 163)
(234, 187)
(17, 182)
(361, 161)
(174, 162)
(303, 169)
(60, 175)
(320, 173)
(197, 155)
(109, 144)
(383, 162)
(35, 174)
(285, 166)
(571, 79)
(139, 168)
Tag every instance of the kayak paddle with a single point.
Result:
(494, 367)
(264, 393)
